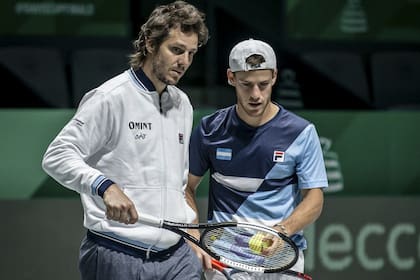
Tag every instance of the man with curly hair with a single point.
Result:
(125, 151)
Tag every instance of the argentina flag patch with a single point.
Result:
(223, 154)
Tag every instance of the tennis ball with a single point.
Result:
(257, 243)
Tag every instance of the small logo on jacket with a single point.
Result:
(223, 154)
(139, 125)
(181, 138)
(139, 129)
(278, 156)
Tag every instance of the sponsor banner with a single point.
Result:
(365, 237)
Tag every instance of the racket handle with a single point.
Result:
(150, 220)
(221, 267)
(218, 265)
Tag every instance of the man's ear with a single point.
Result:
(274, 79)
(230, 77)
(149, 46)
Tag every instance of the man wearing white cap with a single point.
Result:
(266, 164)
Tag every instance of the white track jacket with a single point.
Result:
(125, 132)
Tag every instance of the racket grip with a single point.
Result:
(218, 265)
(221, 267)
(150, 220)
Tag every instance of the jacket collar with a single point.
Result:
(142, 80)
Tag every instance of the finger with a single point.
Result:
(109, 213)
(268, 240)
(132, 214)
(271, 248)
(116, 215)
(124, 218)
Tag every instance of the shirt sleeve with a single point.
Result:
(85, 134)
(310, 167)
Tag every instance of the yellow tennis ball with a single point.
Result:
(257, 244)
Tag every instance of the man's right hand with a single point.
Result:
(118, 206)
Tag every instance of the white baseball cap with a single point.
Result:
(244, 49)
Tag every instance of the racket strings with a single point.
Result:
(246, 248)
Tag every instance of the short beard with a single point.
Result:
(156, 67)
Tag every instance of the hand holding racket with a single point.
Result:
(237, 245)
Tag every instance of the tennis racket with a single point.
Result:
(243, 246)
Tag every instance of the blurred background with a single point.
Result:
(352, 67)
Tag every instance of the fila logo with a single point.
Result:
(278, 156)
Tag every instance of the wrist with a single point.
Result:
(282, 228)
(104, 186)
(100, 185)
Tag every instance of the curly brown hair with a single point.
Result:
(161, 21)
